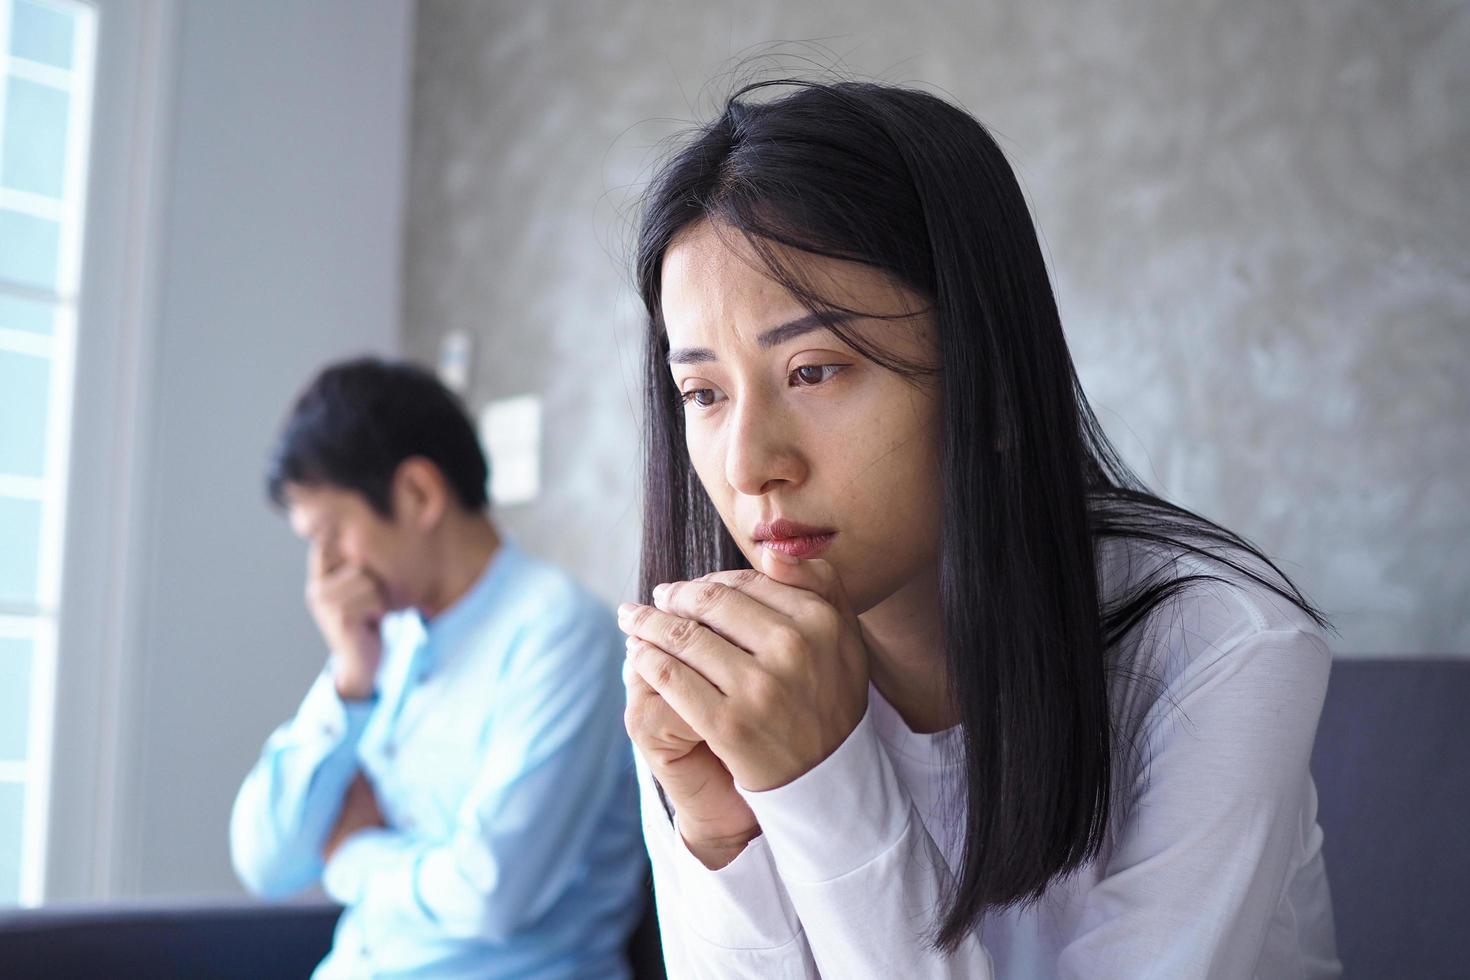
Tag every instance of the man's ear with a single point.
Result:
(420, 493)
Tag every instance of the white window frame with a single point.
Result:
(102, 553)
(39, 620)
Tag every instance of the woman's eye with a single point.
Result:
(703, 397)
(813, 374)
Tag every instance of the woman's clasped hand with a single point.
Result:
(748, 678)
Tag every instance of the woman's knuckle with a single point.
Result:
(787, 640)
(825, 618)
(664, 673)
(681, 632)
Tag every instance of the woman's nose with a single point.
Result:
(762, 452)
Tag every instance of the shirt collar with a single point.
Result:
(936, 749)
(444, 633)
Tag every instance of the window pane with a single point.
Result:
(15, 701)
(31, 249)
(29, 315)
(41, 34)
(35, 138)
(12, 799)
(20, 529)
(25, 382)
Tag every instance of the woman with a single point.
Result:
(924, 682)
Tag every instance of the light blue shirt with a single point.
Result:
(497, 752)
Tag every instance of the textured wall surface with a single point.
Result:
(1256, 214)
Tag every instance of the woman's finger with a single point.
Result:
(815, 575)
(809, 591)
(745, 621)
(714, 657)
(652, 713)
(788, 600)
(695, 699)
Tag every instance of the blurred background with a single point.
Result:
(1255, 214)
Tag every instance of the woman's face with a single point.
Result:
(786, 423)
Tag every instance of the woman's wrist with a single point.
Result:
(715, 852)
(709, 807)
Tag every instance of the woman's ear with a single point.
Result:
(420, 493)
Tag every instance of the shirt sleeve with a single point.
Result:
(557, 753)
(289, 801)
(864, 876)
(736, 921)
(1187, 891)
(1204, 857)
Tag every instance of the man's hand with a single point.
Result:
(359, 812)
(714, 819)
(348, 606)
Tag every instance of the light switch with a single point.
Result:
(510, 430)
(455, 353)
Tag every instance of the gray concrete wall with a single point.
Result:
(1256, 215)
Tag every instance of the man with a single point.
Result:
(457, 776)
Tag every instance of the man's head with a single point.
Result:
(375, 459)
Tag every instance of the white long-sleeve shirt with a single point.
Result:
(1212, 868)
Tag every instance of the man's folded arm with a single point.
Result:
(556, 752)
(290, 799)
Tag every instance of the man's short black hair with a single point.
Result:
(358, 420)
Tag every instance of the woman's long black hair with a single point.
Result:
(912, 186)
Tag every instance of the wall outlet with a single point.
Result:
(510, 431)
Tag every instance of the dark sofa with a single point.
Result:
(218, 942)
(1392, 764)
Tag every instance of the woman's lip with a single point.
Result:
(800, 546)
(782, 528)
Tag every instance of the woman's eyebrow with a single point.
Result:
(767, 339)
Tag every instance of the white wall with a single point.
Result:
(275, 248)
